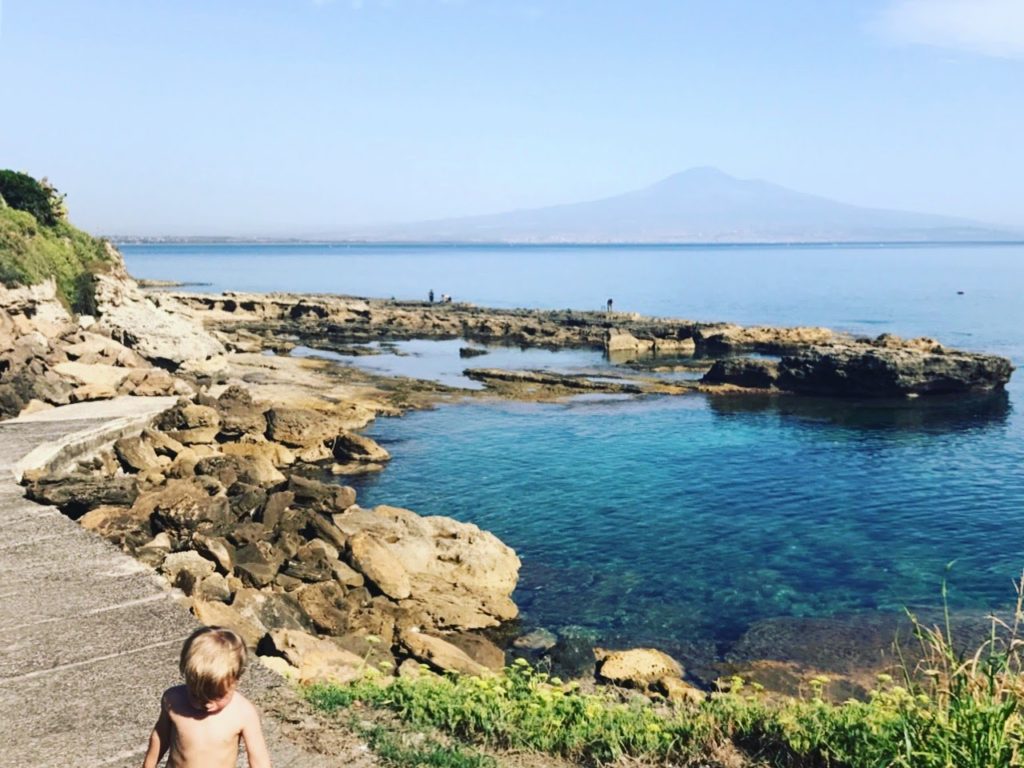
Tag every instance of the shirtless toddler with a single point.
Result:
(202, 721)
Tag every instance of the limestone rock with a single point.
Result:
(479, 649)
(184, 505)
(189, 423)
(165, 334)
(678, 691)
(885, 370)
(459, 576)
(135, 454)
(162, 444)
(117, 525)
(77, 493)
(743, 372)
(637, 667)
(239, 415)
(380, 566)
(257, 564)
(298, 427)
(214, 588)
(317, 659)
(321, 495)
(88, 392)
(229, 469)
(277, 454)
(217, 549)
(98, 374)
(153, 552)
(217, 614)
(189, 561)
(349, 446)
(623, 341)
(274, 610)
(440, 654)
(325, 605)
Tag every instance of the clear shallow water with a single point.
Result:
(681, 521)
(440, 361)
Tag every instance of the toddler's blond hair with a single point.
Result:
(212, 660)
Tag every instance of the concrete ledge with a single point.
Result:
(116, 418)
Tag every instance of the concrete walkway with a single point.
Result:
(89, 638)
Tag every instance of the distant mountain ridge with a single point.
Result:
(700, 205)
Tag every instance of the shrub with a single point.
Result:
(23, 193)
(953, 710)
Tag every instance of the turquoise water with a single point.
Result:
(680, 522)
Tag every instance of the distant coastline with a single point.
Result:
(226, 240)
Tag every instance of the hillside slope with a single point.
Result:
(32, 251)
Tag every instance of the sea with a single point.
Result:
(684, 522)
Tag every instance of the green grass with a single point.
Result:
(950, 711)
(417, 750)
(31, 252)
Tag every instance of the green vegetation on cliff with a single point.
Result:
(37, 242)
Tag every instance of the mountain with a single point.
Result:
(700, 205)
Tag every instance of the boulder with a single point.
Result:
(277, 454)
(379, 565)
(317, 659)
(678, 691)
(189, 423)
(135, 454)
(167, 334)
(213, 588)
(325, 605)
(229, 469)
(153, 552)
(76, 494)
(275, 610)
(536, 640)
(349, 446)
(216, 548)
(623, 341)
(195, 565)
(479, 649)
(153, 382)
(440, 654)
(239, 415)
(637, 667)
(257, 563)
(117, 525)
(96, 374)
(459, 577)
(162, 444)
(298, 427)
(184, 505)
(88, 392)
(275, 507)
(217, 614)
(321, 495)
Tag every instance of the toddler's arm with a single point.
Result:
(252, 735)
(160, 738)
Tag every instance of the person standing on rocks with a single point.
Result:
(202, 721)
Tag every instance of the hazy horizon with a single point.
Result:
(285, 119)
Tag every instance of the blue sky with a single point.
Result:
(309, 116)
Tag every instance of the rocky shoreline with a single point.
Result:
(228, 494)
